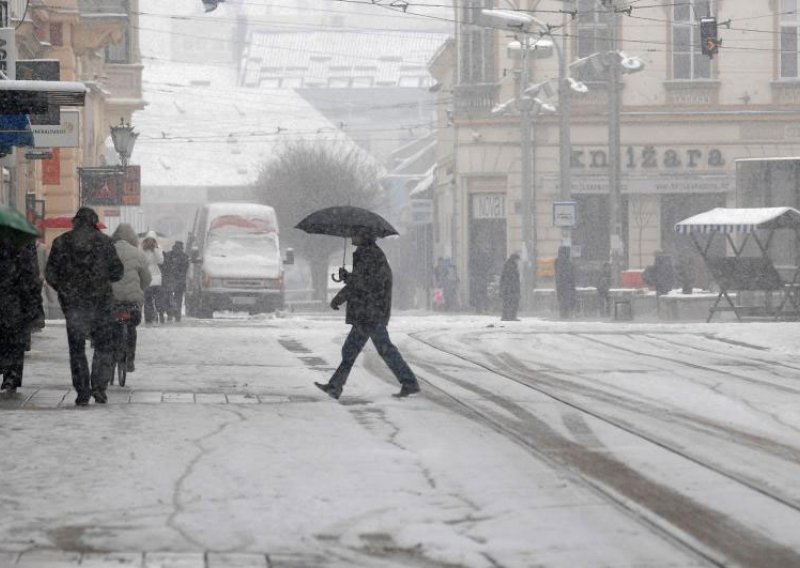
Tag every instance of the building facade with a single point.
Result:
(684, 120)
(94, 42)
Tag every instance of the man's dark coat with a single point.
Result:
(509, 280)
(82, 265)
(368, 289)
(20, 292)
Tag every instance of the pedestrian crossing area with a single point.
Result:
(61, 559)
(49, 397)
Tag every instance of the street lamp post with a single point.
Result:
(524, 25)
(614, 192)
(124, 138)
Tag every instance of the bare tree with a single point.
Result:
(642, 217)
(305, 176)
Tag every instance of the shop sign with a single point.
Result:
(64, 135)
(658, 183)
(107, 186)
(488, 206)
(650, 158)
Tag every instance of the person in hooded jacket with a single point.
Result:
(368, 294)
(129, 291)
(154, 309)
(82, 265)
(510, 288)
(20, 307)
(565, 283)
(176, 264)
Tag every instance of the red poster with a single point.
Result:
(51, 169)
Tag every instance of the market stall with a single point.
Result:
(751, 237)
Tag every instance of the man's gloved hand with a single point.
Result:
(343, 274)
(334, 305)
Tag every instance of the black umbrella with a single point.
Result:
(346, 221)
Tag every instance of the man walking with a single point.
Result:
(82, 265)
(176, 264)
(510, 288)
(368, 293)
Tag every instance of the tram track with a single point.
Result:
(694, 366)
(692, 525)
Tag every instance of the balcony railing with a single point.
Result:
(475, 97)
(103, 7)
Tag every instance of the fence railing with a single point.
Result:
(475, 97)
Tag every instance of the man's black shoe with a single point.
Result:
(329, 389)
(81, 401)
(100, 397)
(406, 390)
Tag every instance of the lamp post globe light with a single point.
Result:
(124, 138)
(526, 25)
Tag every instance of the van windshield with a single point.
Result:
(238, 243)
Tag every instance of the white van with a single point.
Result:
(235, 260)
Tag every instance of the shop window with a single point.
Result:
(688, 61)
(790, 27)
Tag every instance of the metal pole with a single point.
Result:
(525, 163)
(564, 139)
(4, 13)
(614, 195)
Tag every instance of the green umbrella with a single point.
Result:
(15, 227)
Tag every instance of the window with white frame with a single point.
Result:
(790, 27)
(688, 61)
(593, 36)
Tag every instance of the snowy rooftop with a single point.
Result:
(239, 128)
(339, 59)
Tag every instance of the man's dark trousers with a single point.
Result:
(96, 321)
(355, 342)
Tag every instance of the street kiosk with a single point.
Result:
(758, 237)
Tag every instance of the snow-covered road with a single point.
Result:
(534, 443)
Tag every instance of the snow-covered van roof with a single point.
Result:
(242, 215)
(741, 220)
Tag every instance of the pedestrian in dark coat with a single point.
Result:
(604, 288)
(82, 265)
(565, 283)
(20, 308)
(368, 294)
(176, 264)
(510, 288)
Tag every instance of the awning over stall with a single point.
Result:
(726, 220)
(748, 273)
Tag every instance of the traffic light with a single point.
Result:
(708, 37)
